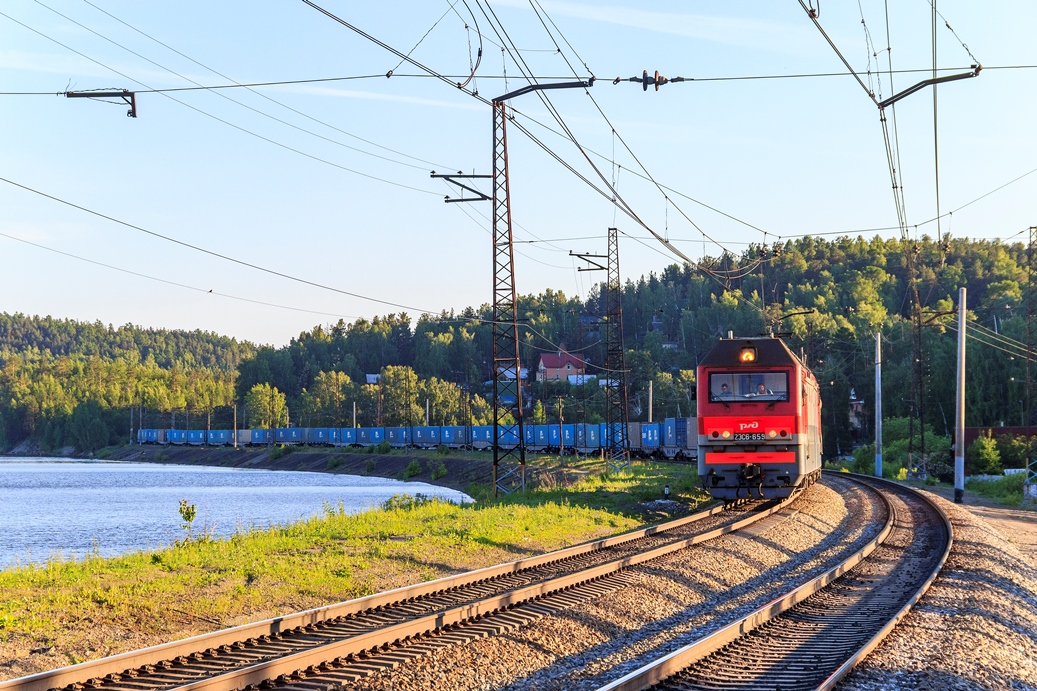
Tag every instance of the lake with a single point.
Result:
(69, 509)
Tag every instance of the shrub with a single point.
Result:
(983, 457)
(413, 469)
(1012, 450)
(439, 471)
(406, 502)
(383, 447)
(442, 450)
(334, 463)
(279, 451)
(369, 466)
(1006, 490)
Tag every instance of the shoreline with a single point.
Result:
(452, 471)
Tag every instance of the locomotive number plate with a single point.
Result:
(750, 437)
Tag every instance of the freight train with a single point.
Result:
(673, 438)
(759, 420)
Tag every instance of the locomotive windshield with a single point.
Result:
(762, 386)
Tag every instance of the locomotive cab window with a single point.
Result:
(743, 386)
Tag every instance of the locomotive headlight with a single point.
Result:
(726, 434)
(772, 433)
(747, 355)
(784, 433)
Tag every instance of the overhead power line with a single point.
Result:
(174, 283)
(221, 120)
(395, 75)
(212, 253)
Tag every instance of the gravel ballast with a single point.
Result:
(976, 627)
(665, 604)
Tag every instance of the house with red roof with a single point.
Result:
(557, 366)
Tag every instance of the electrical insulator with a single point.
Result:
(777, 249)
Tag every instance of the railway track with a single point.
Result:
(334, 644)
(812, 636)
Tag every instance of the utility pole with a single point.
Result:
(235, 424)
(561, 430)
(878, 404)
(651, 383)
(959, 408)
(1030, 486)
(616, 404)
(506, 354)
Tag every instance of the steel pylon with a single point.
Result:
(616, 415)
(509, 451)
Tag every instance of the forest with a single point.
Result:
(65, 383)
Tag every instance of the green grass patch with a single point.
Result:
(202, 584)
(1006, 490)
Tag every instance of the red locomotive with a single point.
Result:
(759, 419)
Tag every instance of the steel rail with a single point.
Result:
(669, 665)
(115, 665)
(289, 664)
(881, 634)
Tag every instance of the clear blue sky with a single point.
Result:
(790, 156)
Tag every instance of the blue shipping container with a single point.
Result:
(453, 436)
(398, 437)
(334, 434)
(650, 435)
(177, 436)
(482, 436)
(427, 437)
(682, 432)
(317, 436)
(262, 436)
(669, 432)
(347, 435)
(370, 436)
(288, 435)
(220, 437)
(196, 437)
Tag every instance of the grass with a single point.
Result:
(1006, 490)
(146, 598)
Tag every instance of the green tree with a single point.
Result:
(265, 407)
(539, 414)
(983, 456)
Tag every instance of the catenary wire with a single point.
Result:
(221, 120)
(212, 253)
(289, 82)
(174, 283)
(228, 98)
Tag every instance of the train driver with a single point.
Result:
(762, 390)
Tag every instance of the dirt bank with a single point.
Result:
(460, 473)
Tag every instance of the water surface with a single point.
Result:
(68, 509)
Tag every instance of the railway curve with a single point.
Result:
(812, 636)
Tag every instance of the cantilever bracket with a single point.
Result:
(129, 97)
(589, 258)
(927, 82)
(452, 179)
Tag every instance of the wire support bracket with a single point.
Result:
(976, 69)
(130, 98)
(453, 178)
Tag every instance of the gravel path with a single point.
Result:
(666, 604)
(976, 628)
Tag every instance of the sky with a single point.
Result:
(328, 183)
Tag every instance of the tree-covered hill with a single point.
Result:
(827, 298)
(69, 383)
(66, 337)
